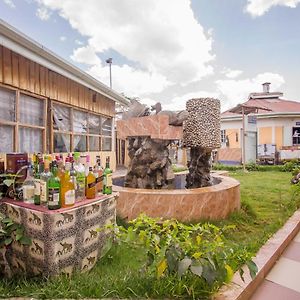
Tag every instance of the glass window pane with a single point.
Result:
(62, 142)
(79, 143)
(79, 121)
(30, 140)
(7, 104)
(94, 124)
(106, 126)
(61, 118)
(31, 110)
(7, 138)
(106, 145)
(94, 143)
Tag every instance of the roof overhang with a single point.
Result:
(247, 109)
(16, 41)
(262, 116)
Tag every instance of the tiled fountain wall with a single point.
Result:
(62, 241)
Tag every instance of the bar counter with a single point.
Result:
(63, 240)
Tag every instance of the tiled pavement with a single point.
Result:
(283, 281)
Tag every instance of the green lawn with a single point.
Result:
(267, 202)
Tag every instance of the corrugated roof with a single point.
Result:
(275, 105)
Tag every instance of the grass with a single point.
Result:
(267, 202)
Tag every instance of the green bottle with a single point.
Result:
(37, 183)
(54, 201)
(107, 178)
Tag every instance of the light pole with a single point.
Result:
(109, 61)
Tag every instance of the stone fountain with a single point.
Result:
(147, 186)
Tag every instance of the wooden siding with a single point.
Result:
(24, 74)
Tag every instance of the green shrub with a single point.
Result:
(177, 169)
(177, 250)
(222, 167)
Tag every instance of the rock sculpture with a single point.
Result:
(150, 166)
(201, 133)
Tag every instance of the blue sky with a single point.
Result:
(171, 51)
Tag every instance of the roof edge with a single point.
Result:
(18, 42)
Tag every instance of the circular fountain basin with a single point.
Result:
(208, 203)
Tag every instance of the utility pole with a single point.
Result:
(109, 61)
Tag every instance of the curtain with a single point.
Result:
(7, 137)
(30, 140)
(31, 110)
(106, 127)
(7, 104)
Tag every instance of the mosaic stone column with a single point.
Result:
(201, 133)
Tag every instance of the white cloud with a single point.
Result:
(179, 102)
(237, 91)
(10, 3)
(130, 81)
(43, 13)
(260, 7)
(78, 42)
(62, 38)
(86, 55)
(163, 42)
(229, 73)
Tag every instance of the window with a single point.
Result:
(106, 134)
(296, 135)
(7, 104)
(223, 136)
(23, 131)
(77, 130)
(7, 138)
(30, 140)
(31, 124)
(62, 142)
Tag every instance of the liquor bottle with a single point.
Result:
(54, 189)
(80, 177)
(44, 178)
(98, 172)
(37, 181)
(107, 178)
(68, 186)
(28, 185)
(90, 191)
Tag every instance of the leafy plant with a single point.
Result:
(10, 232)
(174, 248)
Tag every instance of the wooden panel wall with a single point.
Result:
(20, 72)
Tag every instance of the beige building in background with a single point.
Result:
(274, 132)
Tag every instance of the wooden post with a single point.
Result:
(244, 140)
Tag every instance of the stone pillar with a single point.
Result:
(201, 132)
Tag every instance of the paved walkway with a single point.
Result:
(283, 281)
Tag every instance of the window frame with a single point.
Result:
(18, 124)
(72, 133)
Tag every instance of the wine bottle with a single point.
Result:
(28, 185)
(54, 201)
(107, 178)
(37, 182)
(80, 177)
(44, 177)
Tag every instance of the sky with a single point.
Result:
(170, 51)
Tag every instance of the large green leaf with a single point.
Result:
(183, 265)
(25, 240)
(196, 268)
(8, 241)
(252, 268)
(209, 274)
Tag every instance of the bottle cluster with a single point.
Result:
(56, 183)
